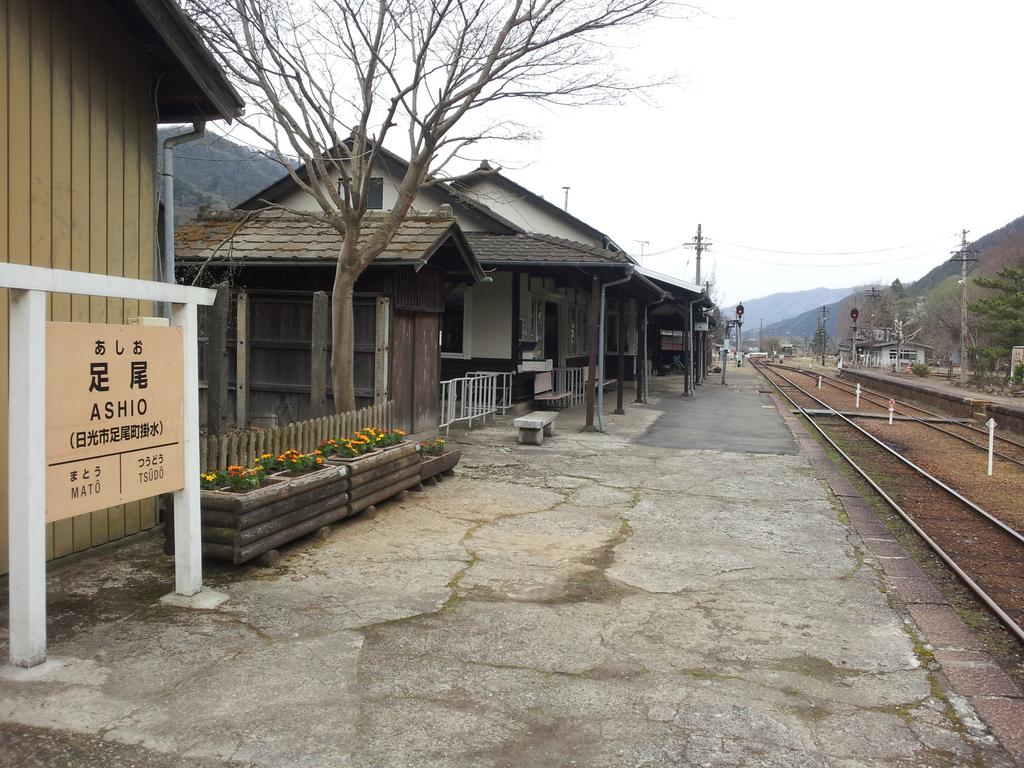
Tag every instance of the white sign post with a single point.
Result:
(892, 408)
(991, 424)
(26, 495)
(858, 396)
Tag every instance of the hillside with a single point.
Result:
(998, 248)
(777, 307)
(932, 301)
(216, 172)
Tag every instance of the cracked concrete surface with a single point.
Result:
(601, 600)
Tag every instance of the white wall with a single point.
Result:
(527, 214)
(491, 317)
(425, 200)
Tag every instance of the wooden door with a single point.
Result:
(425, 406)
(403, 365)
(415, 369)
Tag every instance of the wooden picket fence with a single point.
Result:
(243, 448)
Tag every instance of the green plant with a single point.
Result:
(209, 481)
(244, 478)
(433, 447)
(1018, 373)
(920, 369)
(296, 463)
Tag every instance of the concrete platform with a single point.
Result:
(734, 417)
(653, 596)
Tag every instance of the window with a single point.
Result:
(374, 193)
(453, 323)
(531, 332)
(578, 330)
(611, 331)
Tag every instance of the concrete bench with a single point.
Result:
(534, 427)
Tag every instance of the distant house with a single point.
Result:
(892, 354)
(84, 86)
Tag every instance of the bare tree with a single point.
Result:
(331, 81)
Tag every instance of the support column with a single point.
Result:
(592, 342)
(242, 360)
(621, 343)
(217, 364)
(26, 488)
(188, 547)
(641, 358)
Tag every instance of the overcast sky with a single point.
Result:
(806, 126)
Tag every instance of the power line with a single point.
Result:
(804, 264)
(830, 253)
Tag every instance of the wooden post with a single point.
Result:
(216, 364)
(592, 342)
(382, 350)
(242, 361)
(621, 344)
(318, 357)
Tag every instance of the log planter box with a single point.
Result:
(435, 465)
(381, 475)
(237, 527)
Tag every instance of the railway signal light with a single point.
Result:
(739, 310)
(854, 314)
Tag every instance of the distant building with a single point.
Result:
(888, 354)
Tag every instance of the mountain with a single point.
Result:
(998, 248)
(216, 172)
(781, 306)
(804, 325)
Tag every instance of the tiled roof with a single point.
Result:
(275, 235)
(497, 249)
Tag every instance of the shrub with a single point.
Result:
(920, 369)
(1018, 373)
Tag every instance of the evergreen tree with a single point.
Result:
(1001, 314)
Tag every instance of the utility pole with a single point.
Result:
(700, 245)
(565, 205)
(760, 344)
(964, 255)
(824, 331)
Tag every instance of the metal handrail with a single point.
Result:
(470, 397)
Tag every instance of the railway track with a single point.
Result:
(982, 549)
(1006, 448)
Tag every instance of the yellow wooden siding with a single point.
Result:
(77, 176)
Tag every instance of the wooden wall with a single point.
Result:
(77, 174)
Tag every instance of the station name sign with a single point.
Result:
(114, 415)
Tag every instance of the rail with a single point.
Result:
(470, 397)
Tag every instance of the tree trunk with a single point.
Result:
(343, 338)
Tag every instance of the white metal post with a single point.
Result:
(991, 424)
(26, 487)
(188, 546)
(858, 396)
(892, 408)
(819, 382)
